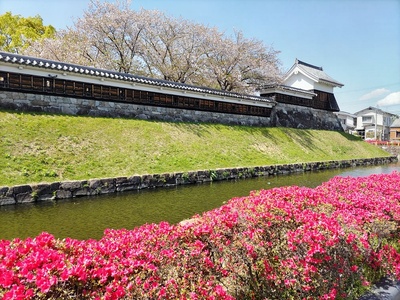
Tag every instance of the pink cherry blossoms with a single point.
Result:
(283, 243)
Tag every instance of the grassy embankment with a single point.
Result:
(47, 148)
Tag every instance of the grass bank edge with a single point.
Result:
(37, 147)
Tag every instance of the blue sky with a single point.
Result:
(357, 42)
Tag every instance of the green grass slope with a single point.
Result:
(47, 148)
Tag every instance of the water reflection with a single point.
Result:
(84, 218)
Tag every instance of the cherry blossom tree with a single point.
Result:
(149, 43)
(107, 36)
(113, 31)
(66, 46)
(240, 64)
(174, 49)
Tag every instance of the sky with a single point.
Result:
(357, 42)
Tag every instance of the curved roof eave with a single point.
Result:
(312, 72)
(283, 87)
(305, 73)
(333, 83)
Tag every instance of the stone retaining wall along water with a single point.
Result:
(69, 189)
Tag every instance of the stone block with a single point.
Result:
(71, 185)
(129, 184)
(203, 176)
(4, 191)
(157, 180)
(180, 178)
(24, 198)
(21, 194)
(192, 177)
(5, 197)
(20, 189)
(169, 179)
(84, 191)
(63, 194)
(145, 181)
(102, 186)
(7, 200)
(45, 191)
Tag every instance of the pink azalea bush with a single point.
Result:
(282, 243)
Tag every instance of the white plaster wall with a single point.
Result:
(323, 87)
(360, 122)
(379, 119)
(349, 121)
(300, 81)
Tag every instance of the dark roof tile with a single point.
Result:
(90, 71)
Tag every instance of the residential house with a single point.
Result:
(374, 123)
(395, 130)
(347, 120)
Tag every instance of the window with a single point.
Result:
(69, 87)
(78, 88)
(129, 95)
(367, 119)
(97, 91)
(26, 81)
(59, 86)
(14, 81)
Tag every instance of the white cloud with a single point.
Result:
(391, 99)
(374, 94)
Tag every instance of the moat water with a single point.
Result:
(87, 217)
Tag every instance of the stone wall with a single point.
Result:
(77, 106)
(283, 115)
(71, 189)
(392, 149)
(288, 115)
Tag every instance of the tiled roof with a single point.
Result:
(35, 62)
(316, 73)
(372, 109)
(396, 123)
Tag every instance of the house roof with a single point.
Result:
(345, 113)
(374, 110)
(315, 73)
(51, 65)
(396, 123)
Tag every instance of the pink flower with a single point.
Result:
(354, 268)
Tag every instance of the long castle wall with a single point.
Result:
(77, 106)
(282, 115)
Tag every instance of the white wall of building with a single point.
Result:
(347, 120)
(323, 87)
(301, 81)
(375, 123)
